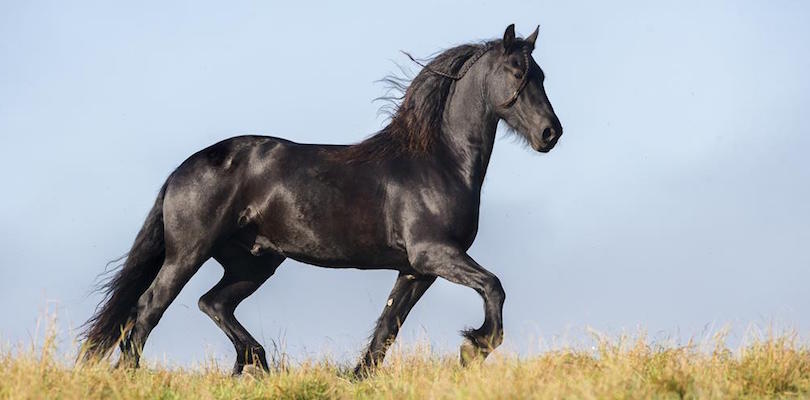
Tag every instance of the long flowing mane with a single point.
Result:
(416, 120)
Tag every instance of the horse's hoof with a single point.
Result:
(252, 370)
(126, 363)
(361, 373)
(470, 353)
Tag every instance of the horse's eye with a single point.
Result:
(515, 63)
(519, 75)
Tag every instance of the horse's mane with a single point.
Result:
(416, 115)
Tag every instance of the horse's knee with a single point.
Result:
(212, 307)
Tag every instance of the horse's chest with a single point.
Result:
(464, 227)
(440, 216)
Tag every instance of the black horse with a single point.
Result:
(405, 199)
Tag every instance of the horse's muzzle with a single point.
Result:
(547, 139)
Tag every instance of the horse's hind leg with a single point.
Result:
(407, 290)
(176, 271)
(244, 273)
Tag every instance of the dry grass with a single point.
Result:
(772, 367)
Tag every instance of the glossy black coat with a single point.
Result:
(252, 201)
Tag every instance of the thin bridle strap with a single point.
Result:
(464, 68)
(513, 99)
(472, 60)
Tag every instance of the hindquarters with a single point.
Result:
(199, 205)
(207, 192)
(188, 219)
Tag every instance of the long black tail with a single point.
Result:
(123, 289)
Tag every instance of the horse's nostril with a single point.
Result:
(548, 135)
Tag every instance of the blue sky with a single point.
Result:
(677, 200)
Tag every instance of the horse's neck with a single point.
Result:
(469, 130)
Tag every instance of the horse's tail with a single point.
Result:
(117, 311)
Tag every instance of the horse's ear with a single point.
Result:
(533, 37)
(509, 38)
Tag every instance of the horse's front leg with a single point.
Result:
(453, 264)
(407, 290)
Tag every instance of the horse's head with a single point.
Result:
(515, 88)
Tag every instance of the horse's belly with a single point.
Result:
(331, 238)
(333, 252)
(373, 259)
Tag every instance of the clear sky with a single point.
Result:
(677, 200)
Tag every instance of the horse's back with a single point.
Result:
(294, 199)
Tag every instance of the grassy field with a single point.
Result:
(774, 367)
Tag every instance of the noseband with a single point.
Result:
(472, 60)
